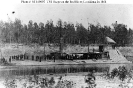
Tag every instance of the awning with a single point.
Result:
(109, 40)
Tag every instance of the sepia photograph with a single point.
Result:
(66, 44)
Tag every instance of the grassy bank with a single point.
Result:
(8, 50)
(127, 52)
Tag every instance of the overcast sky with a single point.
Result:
(105, 14)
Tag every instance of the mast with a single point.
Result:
(88, 37)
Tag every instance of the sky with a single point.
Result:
(105, 14)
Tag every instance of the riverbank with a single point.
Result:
(36, 50)
(14, 49)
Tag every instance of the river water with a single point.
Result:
(20, 76)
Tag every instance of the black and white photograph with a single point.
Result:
(66, 44)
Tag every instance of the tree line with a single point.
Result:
(67, 32)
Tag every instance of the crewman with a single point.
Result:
(10, 59)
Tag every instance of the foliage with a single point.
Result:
(16, 32)
(121, 72)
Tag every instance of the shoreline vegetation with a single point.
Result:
(68, 32)
(119, 77)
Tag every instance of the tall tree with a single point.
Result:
(30, 31)
(82, 34)
(120, 33)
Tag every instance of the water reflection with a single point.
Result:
(63, 76)
(60, 69)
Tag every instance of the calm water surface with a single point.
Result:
(76, 72)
